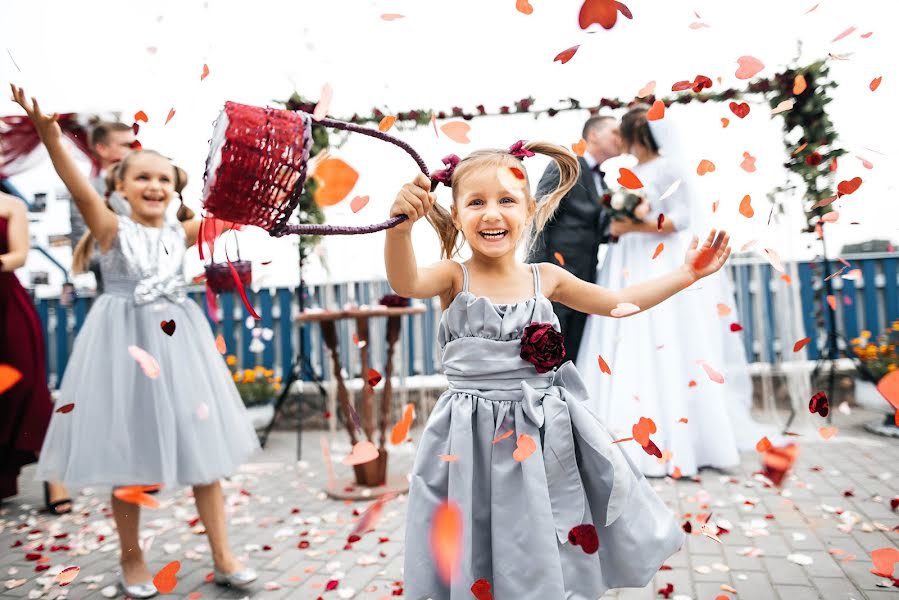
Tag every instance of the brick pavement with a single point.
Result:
(811, 540)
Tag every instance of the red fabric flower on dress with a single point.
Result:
(542, 346)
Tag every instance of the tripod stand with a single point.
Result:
(300, 369)
(830, 350)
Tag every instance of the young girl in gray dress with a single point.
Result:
(153, 400)
(549, 506)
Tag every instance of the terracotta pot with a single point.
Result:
(372, 473)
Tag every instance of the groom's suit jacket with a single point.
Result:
(579, 225)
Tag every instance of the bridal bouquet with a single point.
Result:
(624, 204)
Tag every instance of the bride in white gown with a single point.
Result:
(668, 363)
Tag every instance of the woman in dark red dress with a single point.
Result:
(25, 406)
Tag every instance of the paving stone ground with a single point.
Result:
(811, 539)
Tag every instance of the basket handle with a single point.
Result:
(321, 229)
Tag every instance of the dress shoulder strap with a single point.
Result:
(536, 270)
(464, 277)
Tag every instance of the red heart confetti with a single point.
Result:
(141, 116)
(844, 188)
(165, 580)
(565, 55)
(169, 118)
(656, 111)
(735, 327)
(800, 344)
(205, 72)
(481, 587)
(584, 536)
(741, 109)
(604, 366)
(373, 377)
(628, 179)
(819, 404)
(65, 409)
(875, 83)
(603, 12)
(168, 327)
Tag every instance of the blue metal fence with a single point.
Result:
(869, 302)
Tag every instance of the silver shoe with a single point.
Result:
(237, 579)
(138, 590)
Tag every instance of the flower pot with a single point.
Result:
(372, 473)
(261, 414)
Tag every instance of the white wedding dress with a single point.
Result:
(659, 358)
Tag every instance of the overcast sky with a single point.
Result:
(115, 56)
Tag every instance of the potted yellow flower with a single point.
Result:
(257, 388)
(874, 359)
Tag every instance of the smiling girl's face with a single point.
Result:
(148, 183)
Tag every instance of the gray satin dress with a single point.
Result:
(516, 516)
(187, 426)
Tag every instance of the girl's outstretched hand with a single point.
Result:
(413, 200)
(704, 261)
(47, 126)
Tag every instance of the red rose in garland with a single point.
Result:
(542, 346)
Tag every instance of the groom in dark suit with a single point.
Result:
(580, 223)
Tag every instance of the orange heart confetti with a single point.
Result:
(362, 453)
(603, 365)
(888, 386)
(683, 420)
(602, 12)
(646, 90)
(656, 111)
(503, 436)
(65, 409)
(146, 361)
(827, 432)
(358, 203)
(386, 123)
(559, 258)
(448, 457)
(446, 539)
(705, 166)
(9, 376)
(336, 180)
(844, 188)
(884, 560)
(746, 207)
(865, 162)
(166, 579)
(624, 309)
(141, 116)
(324, 103)
(843, 34)
(676, 473)
(205, 72)
(457, 131)
(220, 344)
(712, 373)
(392, 16)
(67, 576)
(137, 494)
(169, 118)
(783, 106)
(524, 7)
(658, 250)
(799, 84)
(875, 83)
(579, 147)
(565, 55)
(642, 430)
(749, 67)
(777, 462)
(724, 122)
(524, 447)
(800, 344)
(723, 309)
(763, 445)
(774, 259)
(748, 163)
(400, 431)
(628, 179)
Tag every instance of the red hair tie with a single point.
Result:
(445, 176)
(518, 150)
